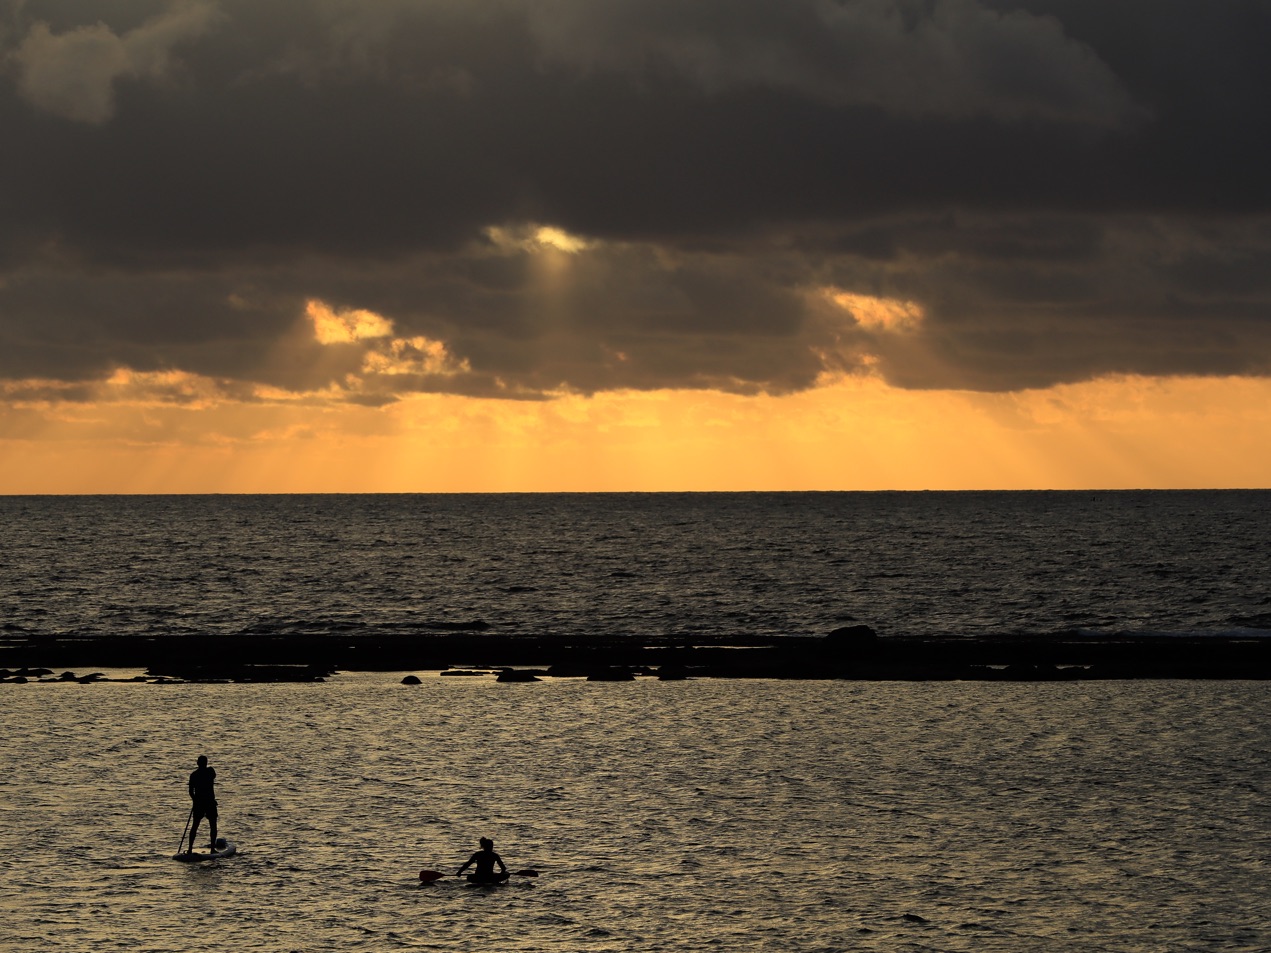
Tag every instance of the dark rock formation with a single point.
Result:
(241, 672)
(519, 675)
(851, 652)
(611, 675)
(853, 637)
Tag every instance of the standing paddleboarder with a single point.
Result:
(485, 859)
(203, 793)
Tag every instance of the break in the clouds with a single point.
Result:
(522, 199)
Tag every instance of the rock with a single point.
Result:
(853, 636)
(567, 671)
(611, 675)
(412, 680)
(847, 646)
(517, 675)
(234, 671)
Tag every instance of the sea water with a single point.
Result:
(707, 815)
(717, 564)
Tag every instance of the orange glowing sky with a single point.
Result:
(845, 434)
(177, 432)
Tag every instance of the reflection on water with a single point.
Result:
(702, 815)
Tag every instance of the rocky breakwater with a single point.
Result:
(852, 652)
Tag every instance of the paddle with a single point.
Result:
(431, 876)
(189, 817)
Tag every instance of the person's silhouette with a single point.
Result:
(203, 793)
(485, 859)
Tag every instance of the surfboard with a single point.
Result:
(228, 849)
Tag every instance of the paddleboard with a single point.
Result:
(224, 848)
(432, 876)
(491, 881)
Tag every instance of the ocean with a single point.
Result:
(703, 815)
(720, 564)
(707, 815)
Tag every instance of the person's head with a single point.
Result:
(487, 844)
(202, 761)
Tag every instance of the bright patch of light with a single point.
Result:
(415, 355)
(560, 240)
(345, 327)
(536, 238)
(878, 314)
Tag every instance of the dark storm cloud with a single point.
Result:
(1065, 188)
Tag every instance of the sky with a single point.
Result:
(602, 245)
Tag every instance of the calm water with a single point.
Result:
(663, 816)
(633, 564)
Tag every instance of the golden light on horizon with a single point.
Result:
(179, 433)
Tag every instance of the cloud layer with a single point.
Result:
(569, 196)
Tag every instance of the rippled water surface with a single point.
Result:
(690, 816)
(639, 564)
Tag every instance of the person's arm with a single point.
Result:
(466, 866)
(499, 860)
(191, 786)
